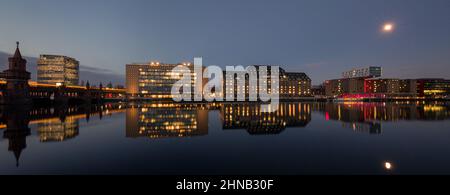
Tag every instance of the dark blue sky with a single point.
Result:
(319, 37)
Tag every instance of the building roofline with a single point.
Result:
(55, 55)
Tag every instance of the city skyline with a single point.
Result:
(409, 40)
(225, 95)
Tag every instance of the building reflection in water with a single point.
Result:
(53, 123)
(250, 117)
(58, 130)
(368, 117)
(16, 120)
(164, 120)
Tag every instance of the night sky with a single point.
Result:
(319, 37)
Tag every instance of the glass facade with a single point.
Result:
(155, 80)
(437, 88)
(369, 72)
(54, 69)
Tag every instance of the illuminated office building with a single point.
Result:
(292, 85)
(425, 88)
(366, 87)
(338, 87)
(352, 82)
(55, 69)
(384, 86)
(363, 83)
(295, 85)
(408, 86)
(436, 88)
(154, 80)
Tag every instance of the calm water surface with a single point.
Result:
(167, 138)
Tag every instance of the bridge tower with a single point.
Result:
(17, 77)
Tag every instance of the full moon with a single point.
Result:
(388, 27)
(388, 165)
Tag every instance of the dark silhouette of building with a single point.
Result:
(17, 77)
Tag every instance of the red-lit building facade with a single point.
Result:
(370, 87)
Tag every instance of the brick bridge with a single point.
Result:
(39, 92)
